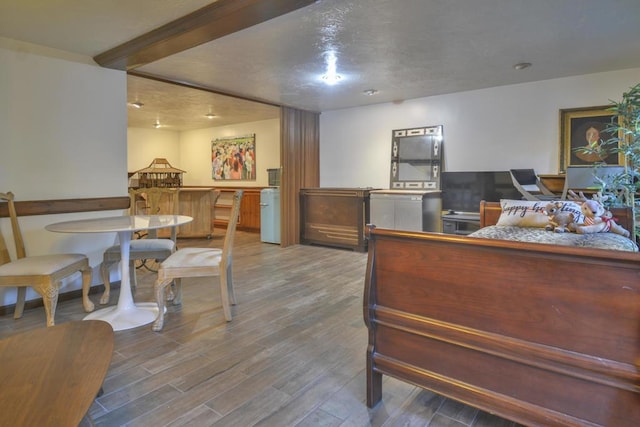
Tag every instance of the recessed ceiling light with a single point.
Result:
(156, 124)
(522, 65)
(136, 104)
(370, 92)
(210, 115)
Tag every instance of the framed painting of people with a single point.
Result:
(234, 158)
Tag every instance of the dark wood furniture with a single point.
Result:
(543, 335)
(60, 206)
(555, 183)
(334, 217)
(50, 376)
(249, 209)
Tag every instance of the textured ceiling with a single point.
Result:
(179, 108)
(402, 48)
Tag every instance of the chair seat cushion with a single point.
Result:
(193, 257)
(140, 245)
(39, 265)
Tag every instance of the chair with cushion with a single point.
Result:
(529, 185)
(42, 272)
(200, 262)
(150, 249)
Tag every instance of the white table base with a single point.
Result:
(121, 319)
(126, 314)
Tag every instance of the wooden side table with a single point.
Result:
(50, 376)
(555, 183)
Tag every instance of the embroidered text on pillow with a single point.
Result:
(526, 213)
(522, 210)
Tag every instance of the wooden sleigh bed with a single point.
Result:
(541, 334)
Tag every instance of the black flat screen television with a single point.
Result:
(463, 191)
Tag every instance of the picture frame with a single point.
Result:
(234, 158)
(580, 127)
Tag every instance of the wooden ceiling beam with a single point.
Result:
(211, 22)
(190, 85)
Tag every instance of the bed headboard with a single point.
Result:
(490, 212)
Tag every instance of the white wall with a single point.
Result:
(63, 135)
(191, 150)
(144, 145)
(195, 152)
(499, 128)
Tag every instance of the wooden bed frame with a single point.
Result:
(540, 334)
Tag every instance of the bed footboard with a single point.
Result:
(539, 334)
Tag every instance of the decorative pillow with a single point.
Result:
(525, 213)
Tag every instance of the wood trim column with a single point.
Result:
(300, 160)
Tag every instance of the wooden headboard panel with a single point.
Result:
(490, 212)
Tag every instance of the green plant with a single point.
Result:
(625, 141)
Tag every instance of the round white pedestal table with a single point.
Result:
(126, 314)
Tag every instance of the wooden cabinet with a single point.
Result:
(211, 207)
(249, 208)
(199, 204)
(196, 202)
(334, 217)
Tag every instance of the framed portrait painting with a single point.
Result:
(234, 158)
(585, 128)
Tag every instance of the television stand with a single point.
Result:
(460, 223)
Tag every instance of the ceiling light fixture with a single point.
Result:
(136, 104)
(210, 116)
(331, 77)
(522, 65)
(370, 92)
(156, 124)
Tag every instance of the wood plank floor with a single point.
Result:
(294, 354)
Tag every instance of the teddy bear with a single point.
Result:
(598, 220)
(559, 221)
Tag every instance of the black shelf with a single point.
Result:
(460, 223)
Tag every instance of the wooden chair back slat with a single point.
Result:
(15, 227)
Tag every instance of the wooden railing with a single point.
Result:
(61, 206)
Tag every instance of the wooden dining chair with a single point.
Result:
(200, 262)
(150, 249)
(43, 273)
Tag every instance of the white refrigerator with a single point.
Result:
(270, 215)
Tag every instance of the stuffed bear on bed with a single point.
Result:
(559, 220)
